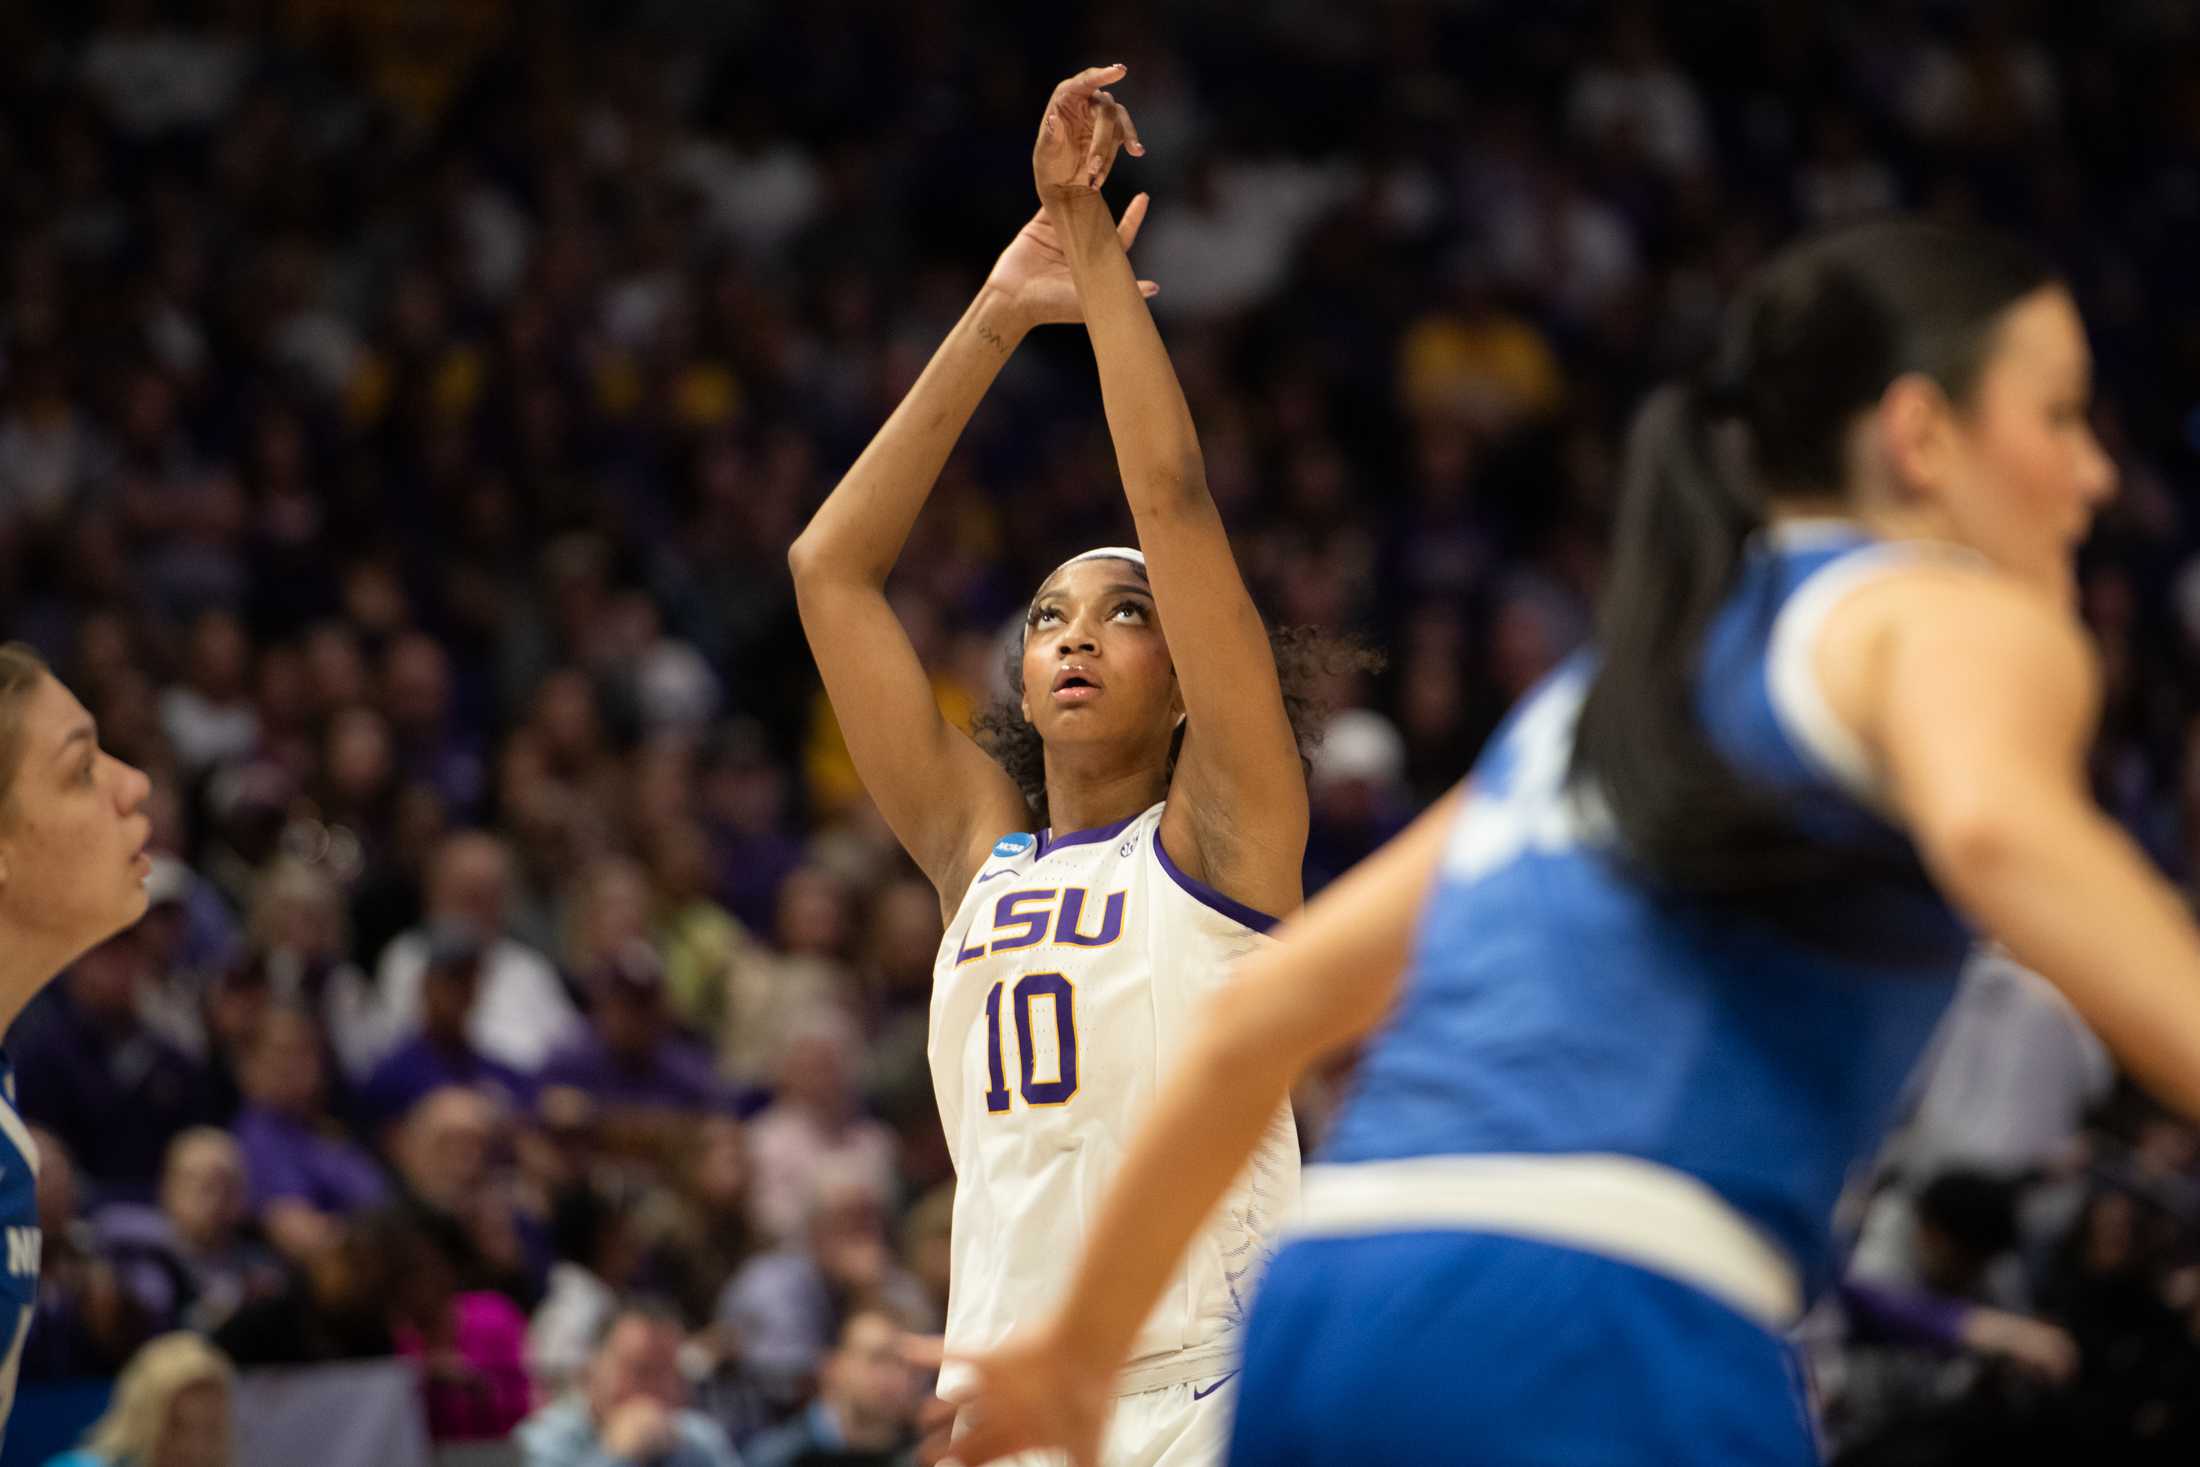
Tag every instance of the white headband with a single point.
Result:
(1105, 552)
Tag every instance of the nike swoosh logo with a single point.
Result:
(1004, 871)
(1218, 1385)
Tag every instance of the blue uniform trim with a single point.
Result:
(1207, 896)
(19, 1224)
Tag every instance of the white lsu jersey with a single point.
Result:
(1065, 990)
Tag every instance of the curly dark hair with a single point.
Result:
(1305, 657)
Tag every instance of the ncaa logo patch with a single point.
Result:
(1012, 845)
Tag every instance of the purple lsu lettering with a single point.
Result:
(1051, 916)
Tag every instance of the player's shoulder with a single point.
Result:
(1941, 618)
(1955, 604)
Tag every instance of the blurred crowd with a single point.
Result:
(405, 409)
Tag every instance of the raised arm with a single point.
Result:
(945, 799)
(1332, 978)
(1241, 825)
(1978, 700)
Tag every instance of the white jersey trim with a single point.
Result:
(1791, 675)
(18, 1134)
(1622, 1207)
(1791, 672)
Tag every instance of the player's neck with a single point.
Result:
(1086, 800)
(27, 965)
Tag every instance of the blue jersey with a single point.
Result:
(1553, 1006)
(19, 1229)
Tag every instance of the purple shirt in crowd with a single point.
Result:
(677, 1075)
(419, 1067)
(287, 1159)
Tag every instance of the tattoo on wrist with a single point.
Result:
(992, 338)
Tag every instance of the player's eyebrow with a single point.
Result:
(87, 730)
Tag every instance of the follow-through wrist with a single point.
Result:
(998, 320)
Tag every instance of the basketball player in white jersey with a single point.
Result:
(72, 874)
(1150, 819)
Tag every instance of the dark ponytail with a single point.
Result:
(1810, 346)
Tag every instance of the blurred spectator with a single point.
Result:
(172, 1408)
(209, 717)
(306, 1177)
(469, 1343)
(446, 1153)
(902, 943)
(335, 1307)
(1916, 1347)
(629, 1059)
(300, 956)
(1475, 363)
(1633, 98)
(1227, 240)
(430, 747)
(866, 1406)
(385, 1288)
(804, 969)
(927, 1251)
(85, 1322)
(896, 989)
(1357, 791)
(598, 1253)
(523, 1012)
(631, 1409)
(697, 1232)
(815, 1122)
(442, 1052)
(745, 803)
(190, 936)
(187, 1262)
(703, 944)
(2012, 1074)
(610, 907)
(787, 1307)
(1841, 180)
(91, 1070)
(1563, 245)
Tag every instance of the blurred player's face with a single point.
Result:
(2025, 474)
(73, 830)
(1096, 668)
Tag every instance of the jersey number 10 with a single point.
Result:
(1061, 997)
